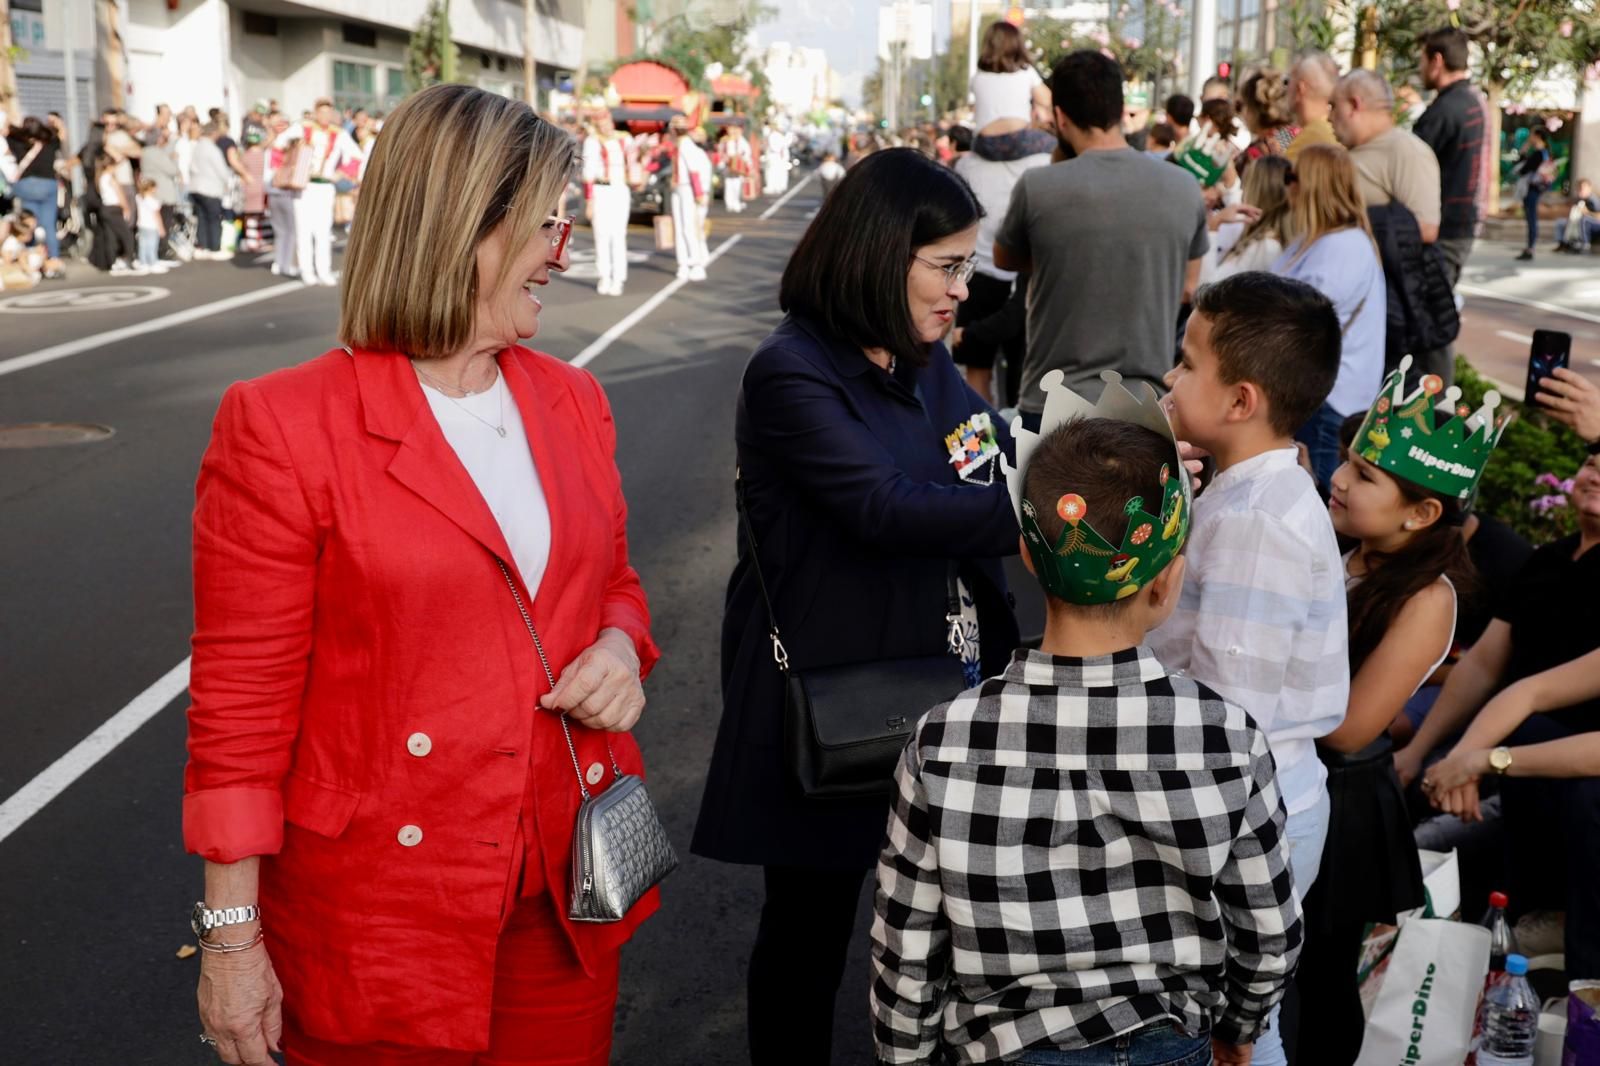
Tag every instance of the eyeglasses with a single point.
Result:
(559, 232)
(954, 273)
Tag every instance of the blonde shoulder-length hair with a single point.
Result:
(1329, 199)
(452, 163)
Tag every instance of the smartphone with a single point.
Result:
(1551, 349)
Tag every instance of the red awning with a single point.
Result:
(732, 85)
(649, 81)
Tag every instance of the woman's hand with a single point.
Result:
(1461, 802)
(1239, 212)
(601, 687)
(1572, 399)
(241, 1005)
(1463, 766)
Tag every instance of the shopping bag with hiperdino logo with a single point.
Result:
(1424, 1012)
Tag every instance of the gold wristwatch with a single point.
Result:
(1500, 760)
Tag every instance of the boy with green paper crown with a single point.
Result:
(1085, 859)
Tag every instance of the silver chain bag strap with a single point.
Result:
(619, 849)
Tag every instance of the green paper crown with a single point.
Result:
(1082, 566)
(1433, 441)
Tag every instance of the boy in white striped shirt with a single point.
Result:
(1262, 615)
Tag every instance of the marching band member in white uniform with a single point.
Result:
(739, 161)
(691, 195)
(331, 148)
(777, 161)
(608, 201)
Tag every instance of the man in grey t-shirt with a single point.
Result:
(1113, 237)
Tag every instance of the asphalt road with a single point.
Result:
(94, 575)
(94, 579)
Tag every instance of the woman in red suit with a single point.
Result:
(377, 780)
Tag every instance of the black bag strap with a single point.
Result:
(780, 655)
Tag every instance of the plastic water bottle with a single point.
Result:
(1510, 1018)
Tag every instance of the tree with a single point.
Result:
(431, 57)
(689, 45)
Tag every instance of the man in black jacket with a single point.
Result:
(1455, 126)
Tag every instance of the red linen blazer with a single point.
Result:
(361, 673)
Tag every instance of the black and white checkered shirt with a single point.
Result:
(1080, 848)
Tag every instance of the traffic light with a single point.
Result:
(1224, 69)
(927, 99)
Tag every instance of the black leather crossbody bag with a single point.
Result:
(845, 726)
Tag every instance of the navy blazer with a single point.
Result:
(857, 511)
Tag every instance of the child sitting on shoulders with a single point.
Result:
(1086, 851)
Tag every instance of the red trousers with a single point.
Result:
(547, 1011)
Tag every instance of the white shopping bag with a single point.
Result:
(1425, 1007)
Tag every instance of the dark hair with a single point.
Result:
(1105, 461)
(1219, 113)
(1541, 133)
(960, 138)
(36, 129)
(1180, 110)
(848, 272)
(1280, 335)
(1394, 577)
(1162, 135)
(1448, 42)
(1087, 87)
(1003, 50)
(1348, 429)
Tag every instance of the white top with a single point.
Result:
(503, 470)
(1262, 617)
(1003, 95)
(1351, 581)
(605, 159)
(183, 151)
(691, 160)
(149, 208)
(1344, 267)
(110, 192)
(330, 148)
(1217, 264)
(992, 181)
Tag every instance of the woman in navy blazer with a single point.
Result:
(850, 421)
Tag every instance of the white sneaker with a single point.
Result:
(1541, 933)
(331, 283)
(603, 287)
(119, 267)
(308, 281)
(697, 274)
(275, 271)
(161, 266)
(140, 268)
(683, 273)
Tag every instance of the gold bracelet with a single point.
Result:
(225, 949)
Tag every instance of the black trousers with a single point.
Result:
(987, 297)
(798, 962)
(208, 221)
(118, 237)
(169, 216)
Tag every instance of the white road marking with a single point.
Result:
(1474, 290)
(606, 339)
(154, 325)
(55, 778)
(59, 775)
(1520, 338)
(769, 212)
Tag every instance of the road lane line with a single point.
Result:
(59, 775)
(177, 318)
(769, 212)
(1520, 338)
(54, 779)
(606, 339)
(1473, 290)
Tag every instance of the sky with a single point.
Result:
(846, 29)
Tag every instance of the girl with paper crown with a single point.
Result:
(1406, 484)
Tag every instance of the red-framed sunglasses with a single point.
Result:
(562, 233)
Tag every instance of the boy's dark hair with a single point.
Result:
(1162, 135)
(1105, 461)
(1180, 110)
(960, 138)
(848, 273)
(1348, 429)
(1087, 87)
(1280, 335)
(1449, 42)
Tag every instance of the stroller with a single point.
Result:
(181, 234)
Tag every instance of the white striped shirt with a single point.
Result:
(1262, 616)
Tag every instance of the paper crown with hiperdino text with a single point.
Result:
(1082, 566)
(1429, 437)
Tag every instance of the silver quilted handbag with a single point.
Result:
(619, 849)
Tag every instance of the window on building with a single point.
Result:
(260, 25)
(365, 36)
(395, 84)
(354, 85)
